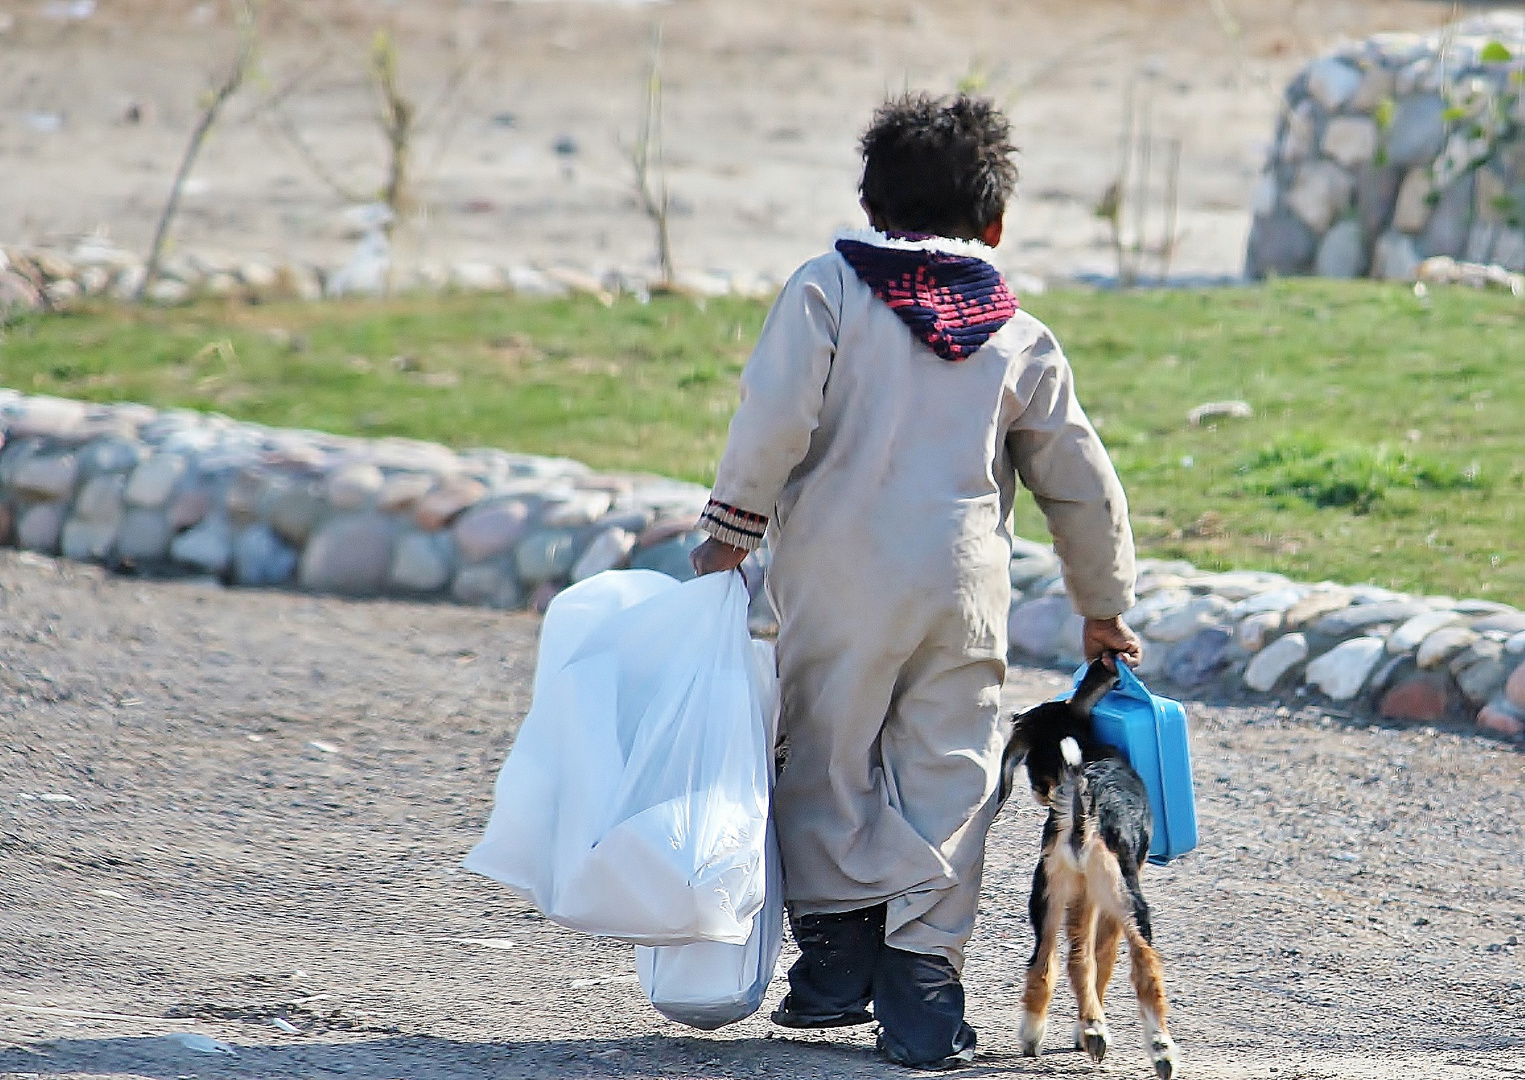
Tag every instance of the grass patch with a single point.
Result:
(1363, 479)
(634, 387)
(1387, 442)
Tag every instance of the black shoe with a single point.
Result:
(963, 1055)
(787, 1016)
(832, 983)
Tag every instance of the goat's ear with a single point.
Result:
(1016, 750)
(1098, 682)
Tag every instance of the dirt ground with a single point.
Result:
(524, 109)
(219, 809)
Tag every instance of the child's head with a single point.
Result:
(937, 165)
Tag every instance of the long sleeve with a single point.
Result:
(781, 392)
(1061, 460)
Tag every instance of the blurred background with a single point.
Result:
(524, 117)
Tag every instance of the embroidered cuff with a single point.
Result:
(729, 525)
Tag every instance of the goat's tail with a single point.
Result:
(1074, 779)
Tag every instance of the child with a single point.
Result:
(893, 399)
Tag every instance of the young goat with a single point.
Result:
(1094, 843)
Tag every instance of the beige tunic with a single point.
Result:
(888, 475)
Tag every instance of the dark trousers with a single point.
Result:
(845, 965)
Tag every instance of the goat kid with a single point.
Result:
(1086, 883)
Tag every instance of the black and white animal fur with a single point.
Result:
(1094, 844)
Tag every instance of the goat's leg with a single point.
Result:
(1149, 985)
(1090, 1025)
(1109, 934)
(1046, 913)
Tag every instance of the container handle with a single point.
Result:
(1131, 685)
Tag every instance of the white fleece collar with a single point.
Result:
(943, 245)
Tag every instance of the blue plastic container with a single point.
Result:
(1151, 731)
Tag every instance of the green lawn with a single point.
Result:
(1387, 445)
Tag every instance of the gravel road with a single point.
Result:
(219, 810)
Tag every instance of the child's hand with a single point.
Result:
(713, 557)
(1103, 636)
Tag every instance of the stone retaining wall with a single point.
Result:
(177, 492)
(1414, 658)
(190, 493)
(1398, 149)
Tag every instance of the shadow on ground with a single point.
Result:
(432, 1058)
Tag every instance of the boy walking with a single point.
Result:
(895, 397)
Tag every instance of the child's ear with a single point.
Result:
(991, 236)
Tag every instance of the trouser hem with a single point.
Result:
(845, 966)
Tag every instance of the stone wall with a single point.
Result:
(1398, 149)
(1422, 659)
(177, 492)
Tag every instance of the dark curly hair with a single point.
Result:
(937, 165)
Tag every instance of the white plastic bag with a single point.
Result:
(708, 985)
(634, 804)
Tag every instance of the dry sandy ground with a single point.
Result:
(763, 105)
(270, 793)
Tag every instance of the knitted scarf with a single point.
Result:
(944, 290)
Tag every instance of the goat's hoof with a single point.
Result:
(1163, 1053)
(1092, 1037)
(1031, 1036)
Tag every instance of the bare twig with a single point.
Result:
(458, 79)
(1126, 204)
(1114, 204)
(287, 128)
(1235, 33)
(272, 111)
(447, 108)
(445, 115)
(647, 153)
(402, 124)
(1167, 250)
(295, 83)
(398, 117)
(1145, 169)
(1109, 209)
(248, 39)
